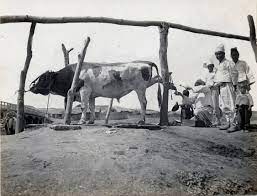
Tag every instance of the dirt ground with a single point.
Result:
(96, 160)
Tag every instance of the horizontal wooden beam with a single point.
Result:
(51, 20)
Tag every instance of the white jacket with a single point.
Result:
(244, 72)
(244, 99)
(209, 78)
(226, 72)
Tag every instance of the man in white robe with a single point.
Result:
(226, 78)
(209, 81)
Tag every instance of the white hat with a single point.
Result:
(220, 48)
(208, 62)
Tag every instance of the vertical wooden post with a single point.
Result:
(252, 35)
(108, 112)
(67, 117)
(20, 100)
(66, 55)
(66, 62)
(164, 30)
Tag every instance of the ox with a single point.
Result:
(113, 80)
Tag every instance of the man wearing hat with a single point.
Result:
(245, 79)
(245, 75)
(226, 77)
(209, 81)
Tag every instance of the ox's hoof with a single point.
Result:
(141, 122)
(82, 121)
(91, 122)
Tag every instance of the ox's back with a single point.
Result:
(115, 79)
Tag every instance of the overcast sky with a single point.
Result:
(109, 43)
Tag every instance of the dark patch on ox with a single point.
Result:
(116, 75)
(145, 73)
(115, 79)
(97, 71)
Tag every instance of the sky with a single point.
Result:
(112, 43)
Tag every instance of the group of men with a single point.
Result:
(222, 98)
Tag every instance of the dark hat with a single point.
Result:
(234, 50)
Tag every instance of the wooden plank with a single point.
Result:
(137, 126)
(20, 99)
(65, 127)
(67, 119)
(50, 20)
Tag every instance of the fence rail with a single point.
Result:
(13, 107)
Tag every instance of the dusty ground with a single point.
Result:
(97, 160)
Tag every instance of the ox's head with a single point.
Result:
(42, 84)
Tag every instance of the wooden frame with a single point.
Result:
(164, 26)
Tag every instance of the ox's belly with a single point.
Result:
(113, 90)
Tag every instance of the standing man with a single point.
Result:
(209, 81)
(245, 75)
(226, 78)
(245, 79)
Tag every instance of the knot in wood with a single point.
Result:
(164, 27)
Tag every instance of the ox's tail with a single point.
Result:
(159, 94)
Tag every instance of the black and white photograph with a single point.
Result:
(128, 98)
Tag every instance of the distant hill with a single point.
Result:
(98, 108)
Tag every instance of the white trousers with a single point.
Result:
(227, 101)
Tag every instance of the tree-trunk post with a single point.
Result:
(66, 62)
(66, 55)
(70, 95)
(252, 35)
(108, 112)
(20, 99)
(164, 30)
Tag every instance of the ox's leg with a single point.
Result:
(92, 110)
(143, 102)
(85, 93)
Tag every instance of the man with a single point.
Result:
(209, 81)
(226, 77)
(245, 79)
(203, 104)
(187, 110)
(245, 75)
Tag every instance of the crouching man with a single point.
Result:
(187, 110)
(202, 100)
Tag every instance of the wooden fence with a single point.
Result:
(5, 106)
